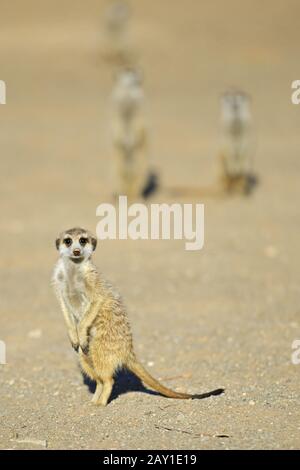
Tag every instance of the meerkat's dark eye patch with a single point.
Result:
(83, 241)
(94, 243)
(68, 241)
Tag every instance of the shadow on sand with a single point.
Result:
(126, 381)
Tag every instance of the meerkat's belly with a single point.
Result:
(79, 303)
(78, 298)
(74, 292)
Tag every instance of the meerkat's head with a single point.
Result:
(76, 244)
(117, 15)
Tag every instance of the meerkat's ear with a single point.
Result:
(57, 243)
(94, 243)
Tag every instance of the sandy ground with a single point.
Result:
(223, 317)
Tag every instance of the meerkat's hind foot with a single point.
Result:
(103, 397)
(200, 396)
(97, 393)
(100, 403)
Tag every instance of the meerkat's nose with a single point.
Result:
(76, 252)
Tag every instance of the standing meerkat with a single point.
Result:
(96, 318)
(236, 155)
(129, 134)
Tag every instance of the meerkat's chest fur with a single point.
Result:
(69, 279)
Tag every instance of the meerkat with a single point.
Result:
(235, 163)
(117, 47)
(96, 319)
(129, 133)
(236, 154)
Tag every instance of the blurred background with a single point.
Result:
(225, 316)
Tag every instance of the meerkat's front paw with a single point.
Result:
(74, 341)
(84, 348)
(84, 345)
(75, 346)
(83, 342)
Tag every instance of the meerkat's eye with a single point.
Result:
(68, 241)
(83, 241)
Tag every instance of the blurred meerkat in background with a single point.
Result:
(237, 147)
(235, 163)
(130, 136)
(117, 46)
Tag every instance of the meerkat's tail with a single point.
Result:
(145, 377)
